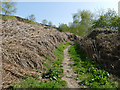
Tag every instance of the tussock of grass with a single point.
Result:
(88, 73)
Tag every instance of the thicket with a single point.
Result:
(84, 21)
(110, 19)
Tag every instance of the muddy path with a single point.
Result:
(69, 75)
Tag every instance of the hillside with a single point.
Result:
(25, 47)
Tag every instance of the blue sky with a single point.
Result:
(59, 12)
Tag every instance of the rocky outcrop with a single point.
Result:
(25, 47)
(103, 46)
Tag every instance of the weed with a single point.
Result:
(89, 74)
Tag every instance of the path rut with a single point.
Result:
(69, 75)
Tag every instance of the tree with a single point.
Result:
(82, 22)
(44, 22)
(76, 18)
(8, 7)
(63, 28)
(115, 22)
(50, 23)
(0, 6)
(107, 20)
(31, 17)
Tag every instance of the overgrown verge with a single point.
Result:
(90, 74)
(53, 76)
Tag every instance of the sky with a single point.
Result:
(61, 12)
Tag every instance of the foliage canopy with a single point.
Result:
(8, 7)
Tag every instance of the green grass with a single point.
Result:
(89, 73)
(54, 74)
(8, 17)
(30, 21)
(33, 83)
(55, 71)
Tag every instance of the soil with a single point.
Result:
(69, 75)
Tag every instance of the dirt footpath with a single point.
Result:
(68, 71)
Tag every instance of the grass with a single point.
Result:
(6, 17)
(30, 21)
(89, 74)
(54, 74)
(33, 83)
(55, 71)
